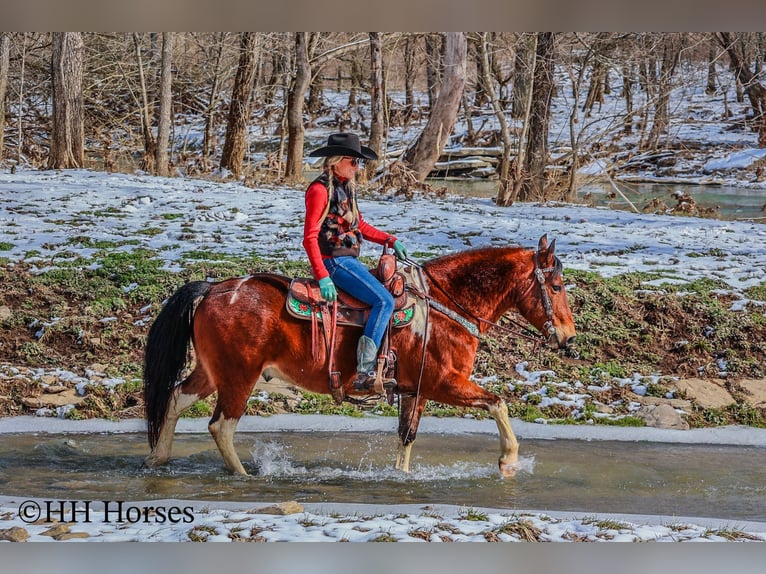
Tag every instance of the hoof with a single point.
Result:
(153, 462)
(509, 468)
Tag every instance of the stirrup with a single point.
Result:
(374, 380)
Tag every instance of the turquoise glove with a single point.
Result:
(400, 250)
(327, 289)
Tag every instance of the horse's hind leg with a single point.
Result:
(196, 387)
(222, 428)
(410, 411)
(232, 400)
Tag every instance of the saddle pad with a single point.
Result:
(346, 315)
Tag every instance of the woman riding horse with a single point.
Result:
(333, 232)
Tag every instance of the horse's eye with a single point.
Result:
(556, 288)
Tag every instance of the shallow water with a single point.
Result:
(589, 477)
(732, 202)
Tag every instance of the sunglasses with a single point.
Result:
(354, 161)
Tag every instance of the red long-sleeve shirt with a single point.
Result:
(316, 201)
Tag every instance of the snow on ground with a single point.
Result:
(55, 216)
(50, 217)
(224, 522)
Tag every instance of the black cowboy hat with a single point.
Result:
(345, 145)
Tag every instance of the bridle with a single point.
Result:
(470, 321)
(547, 305)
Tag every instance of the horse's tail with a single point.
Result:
(165, 356)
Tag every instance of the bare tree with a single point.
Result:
(756, 92)
(536, 158)
(295, 99)
(150, 143)
(433, 66)
(522, 74)
(215, 88)
(235, 143)
(67, 132)
(671, 49)
(503, 169)
(422, 155)
(165, 119)
(409, 72)
(377, 99)
(5, 54)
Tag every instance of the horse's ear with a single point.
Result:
(542, 245)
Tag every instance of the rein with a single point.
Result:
(521, 330)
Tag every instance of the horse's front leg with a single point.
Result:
(459, 391)
(410, 411)
(509, 446)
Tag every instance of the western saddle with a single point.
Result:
(304, 301)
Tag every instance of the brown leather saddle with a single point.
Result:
(304, 299)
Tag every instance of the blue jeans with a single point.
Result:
(351, 275)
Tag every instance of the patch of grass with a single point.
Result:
(757, 292)
(473, 515)
(522, 529)
(314, 403)
(199, 409)
(5, 246)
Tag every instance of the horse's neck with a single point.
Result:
(484, 286)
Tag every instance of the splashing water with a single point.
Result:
(273, 460)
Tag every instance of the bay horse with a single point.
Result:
(240, 331)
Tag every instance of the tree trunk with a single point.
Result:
(67, 134)
(409, 74)
(208, 138)
(756, 92)
(377, 103)
(235, 143)
(627, 93)
(150, 144)
(165, 120)
(536, 157)
(5, 54)
(433, 67)
(422, 156)
(522, 75)
(503, 170)
(671, 49)
(712, 56)
(294, 165)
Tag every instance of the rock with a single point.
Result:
(15, 534)
(706, 393)
(5, 312)
(283, 508)
(662, 416)
(70, 535)
(682, 404)
(756, 388)
(56, 531)
(66, 397)
(54, 389)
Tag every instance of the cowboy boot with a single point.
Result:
(366, 361)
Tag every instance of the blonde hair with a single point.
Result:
(327, 167)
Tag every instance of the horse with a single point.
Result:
(239, 330)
